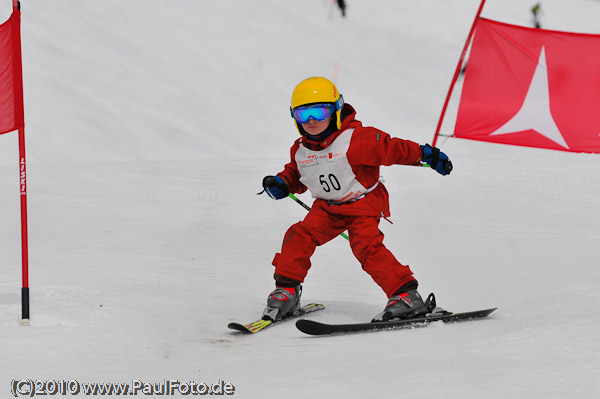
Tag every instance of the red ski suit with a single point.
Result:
(368, 149)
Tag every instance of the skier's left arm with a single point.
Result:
(374, 147)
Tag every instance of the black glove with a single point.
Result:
(275, 187)
(436, 159)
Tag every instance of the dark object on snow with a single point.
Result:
(536, 10)
(342, 5)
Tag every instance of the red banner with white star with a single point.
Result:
(532, 87)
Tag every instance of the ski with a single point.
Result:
(315, 328)
(260, 324)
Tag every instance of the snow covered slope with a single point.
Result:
(150, 124)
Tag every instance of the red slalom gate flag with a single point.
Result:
(12, 118)
(532, 87)
(11, 81)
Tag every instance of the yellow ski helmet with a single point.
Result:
(318, 90)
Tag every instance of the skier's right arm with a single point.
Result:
(285, 182)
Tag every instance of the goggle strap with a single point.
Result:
(339, 103)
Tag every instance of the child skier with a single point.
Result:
(338, 160)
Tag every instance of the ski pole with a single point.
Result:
(447, 166)
(292, 196)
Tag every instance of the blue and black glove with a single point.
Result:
(275, 187)
(436, 159)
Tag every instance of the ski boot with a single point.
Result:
(403, 306)
(282, 302)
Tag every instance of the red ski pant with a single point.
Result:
(366, 241)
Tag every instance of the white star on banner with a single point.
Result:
(535, 111)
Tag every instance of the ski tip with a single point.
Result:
(488, 312)
(238, 327)
(476, 314)
(250, 328)
(301, 325)
(311, 327)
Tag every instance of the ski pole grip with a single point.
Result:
(448, 167)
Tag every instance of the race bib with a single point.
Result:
(327, 173)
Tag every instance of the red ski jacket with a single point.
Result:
(369, 149)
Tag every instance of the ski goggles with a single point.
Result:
(318, 112)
